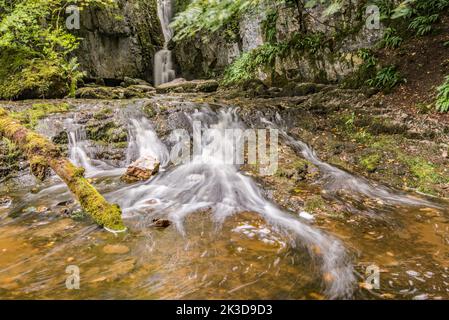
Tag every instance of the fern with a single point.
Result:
(442, 102)
(386, 78)
(390, 39)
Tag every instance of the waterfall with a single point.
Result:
(208, 182)
(163, 64)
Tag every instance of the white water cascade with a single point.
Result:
(163, 64)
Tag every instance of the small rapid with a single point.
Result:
(208, 183)
(209, 187)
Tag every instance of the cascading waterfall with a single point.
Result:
(337, 180)
(163, 64)
(209, 182)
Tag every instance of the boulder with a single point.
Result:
(142, 169)
(127, 82)
(181, 85)
(102, 92)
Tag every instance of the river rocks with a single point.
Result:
(127, 82)
(115, 249)
(181, 85)
(102, 92)
(161, 223)
(5, 202)
(98, 93)
(142, 169)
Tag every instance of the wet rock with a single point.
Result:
(142, 169)
(106, 131)
(115, 249)
(103, 92)
(127, 82)
(139, 91)
(306, 216)
(5, 202)
(181, 85)
(53, 229)
(99, 93)
(301, 89)
(161, 223)
(61, 138)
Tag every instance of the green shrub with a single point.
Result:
(386, 78)
(390, 39)
(35, 48)
(245, 66)
(442, 103)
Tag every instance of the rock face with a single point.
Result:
(330, 62)
(142, 169)
(181, 85)
(120, 42)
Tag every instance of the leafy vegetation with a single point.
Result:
(35, 48)
(248, 63)
(30, 117)
(390, 39)
(208, 16)
(422, 14)
(442, 102)
(386, 78)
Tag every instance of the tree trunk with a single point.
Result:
(43, 154)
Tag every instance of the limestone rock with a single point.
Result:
(142, 169)
(181, 85)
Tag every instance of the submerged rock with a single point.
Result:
(5, 202)
(115, 249)
(142, 169)
(161, 223)
(181, 85)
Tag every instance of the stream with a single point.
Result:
(228, 238)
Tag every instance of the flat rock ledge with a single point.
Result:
(184, 86)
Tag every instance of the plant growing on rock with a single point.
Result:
(34, 47)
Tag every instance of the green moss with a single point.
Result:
(21, 77)
(108, 132)
(30, 117)
(10, 155)
(103, 114)
(314, 203)
(370, 162)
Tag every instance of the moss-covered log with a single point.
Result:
(43, 154)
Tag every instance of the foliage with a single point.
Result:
(30, 117)
(390, 39)
(386, 78)
(422, 13)
(35, 45)
(208, 16)
(442, 103)
(244, 67)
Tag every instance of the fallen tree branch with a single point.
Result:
(43, 154)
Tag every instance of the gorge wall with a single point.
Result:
(329, 59)
(120, 42)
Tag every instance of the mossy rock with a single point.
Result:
(301, 89)
(370, 162)
(181, 85)
(106, 131)
(99, 93)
